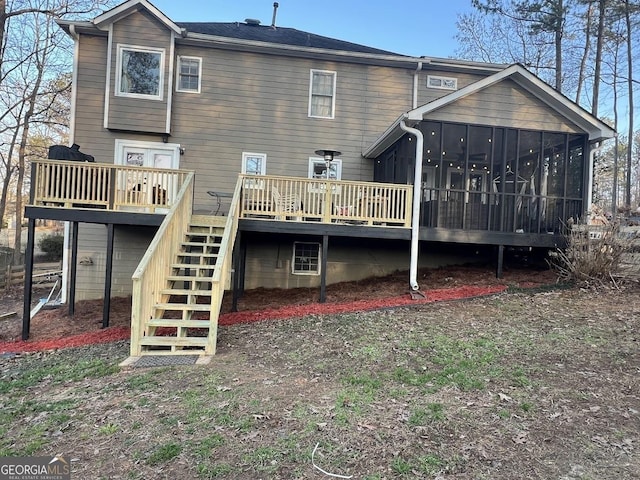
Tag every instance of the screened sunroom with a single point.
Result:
(493, 178)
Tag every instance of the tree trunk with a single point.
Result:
(627, 15)
(585, 53)
(22, 155)
(598, 60)
(558, 34)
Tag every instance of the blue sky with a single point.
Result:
(422, 27)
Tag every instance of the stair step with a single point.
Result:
(185, 291)
(191, 307)
(208, 221)
(153, 340)
(197, 254)
(182, 278)
(201, 244)
(193, 266)
(176, 322)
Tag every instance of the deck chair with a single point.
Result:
(286, 206)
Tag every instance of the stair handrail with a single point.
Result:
(222, 271)
(149, 278)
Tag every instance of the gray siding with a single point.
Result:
(259, 103)
(126, 113)
(504, 104)
(130, 244)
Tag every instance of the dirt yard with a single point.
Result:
(527, 384)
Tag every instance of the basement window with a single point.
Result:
(306, 258)
(442, 83)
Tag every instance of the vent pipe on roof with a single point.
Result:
(275, 11)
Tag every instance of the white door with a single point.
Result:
(152, 185)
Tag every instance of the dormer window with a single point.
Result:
(139, 72)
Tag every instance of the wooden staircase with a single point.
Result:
(185, 316)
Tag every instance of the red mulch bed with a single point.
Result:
(53, 329)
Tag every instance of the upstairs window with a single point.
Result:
(442, 83)
(139, 72)
(322, 94)
(189, 74)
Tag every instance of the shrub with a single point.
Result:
(52, 246)
(599, 254)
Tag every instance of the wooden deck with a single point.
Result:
(131, 189)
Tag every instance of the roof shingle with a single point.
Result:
(277, 35)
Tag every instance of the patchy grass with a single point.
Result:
(539, 384)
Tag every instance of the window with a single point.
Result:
(443, 83)
(189, 74)
(318, 169)
(139, 72)
(322, 94)
(254, 164)
(306, 258)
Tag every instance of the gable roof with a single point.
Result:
(594, 127)
(129, 7)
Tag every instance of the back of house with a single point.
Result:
(504, 160)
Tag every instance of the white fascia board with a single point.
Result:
(596, 128)
(127, 8)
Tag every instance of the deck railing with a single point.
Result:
(326, 201)
(150, 276)
(222, 272)
(105, 185)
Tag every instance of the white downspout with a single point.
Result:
(66, 249)
(415, 215)
(415, 85)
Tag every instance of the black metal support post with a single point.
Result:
(28, 279)
(73, 270)
(500, 261)
(323, 268)
(238, 271)
(106, 306)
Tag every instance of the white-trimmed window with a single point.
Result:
(318, 168)
(139, 72)
(306, 258)
(322, 94)
(254, 164)
(442, 83)
(189, 74)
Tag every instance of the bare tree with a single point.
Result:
(35, 56)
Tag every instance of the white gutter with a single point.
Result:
(66, 247)
(415, 84)
(415, 215)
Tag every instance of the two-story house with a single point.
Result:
(292, 160)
